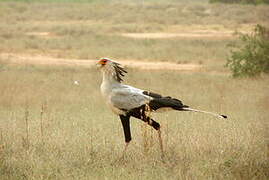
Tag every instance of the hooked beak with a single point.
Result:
(100, 64)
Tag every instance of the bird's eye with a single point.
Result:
(104, 61)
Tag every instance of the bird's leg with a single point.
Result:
(140, 113)
(161, 141)
(125, 149)
(125, 120)
(157, 126)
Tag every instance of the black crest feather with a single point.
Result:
(119, 71)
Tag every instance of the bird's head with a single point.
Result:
(103, 62)
(112, 68)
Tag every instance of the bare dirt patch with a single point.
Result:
(194, 34)
(42, 34)
(46, 60)
(59, 22)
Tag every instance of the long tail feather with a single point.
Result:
(206, 112)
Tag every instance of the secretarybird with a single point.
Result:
(127, 101)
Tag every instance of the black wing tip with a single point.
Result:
(224, 116)
(151, 94)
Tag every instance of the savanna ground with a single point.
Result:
(52, 128)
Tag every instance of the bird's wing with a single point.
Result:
(127, 98)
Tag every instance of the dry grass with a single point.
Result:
(82, 139)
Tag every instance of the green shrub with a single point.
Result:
(250, 57)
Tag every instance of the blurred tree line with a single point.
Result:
(240, 1)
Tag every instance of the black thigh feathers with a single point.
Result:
(141, 112)
(125, 120)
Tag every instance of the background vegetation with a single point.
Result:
(94, 30)
(251, 58)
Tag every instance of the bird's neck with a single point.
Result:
(108, 78)
(108, 84)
